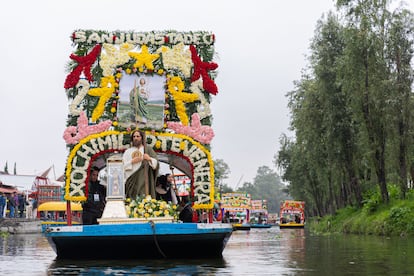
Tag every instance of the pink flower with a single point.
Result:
(195, 130)
(73, 134)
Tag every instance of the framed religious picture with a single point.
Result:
(141, 101)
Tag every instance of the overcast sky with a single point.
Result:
(261, 47)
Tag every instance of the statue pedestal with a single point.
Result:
(114, 208)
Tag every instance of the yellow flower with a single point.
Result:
(158, 144)
(144, 58)
(115, 123)
(149, 207)
(113, 109)
(160, 71)
(175, 87)
(128, 71)
(104, 92)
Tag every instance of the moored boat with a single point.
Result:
(260, 225)
(259, 214)
(53, 213)
(235, 208)
(139, 240)
(292, 214)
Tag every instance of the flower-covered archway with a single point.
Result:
(88, 149)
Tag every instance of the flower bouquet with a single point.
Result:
(148, 207)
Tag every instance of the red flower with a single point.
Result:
(166, 39)
(201, 69)
(84, 65)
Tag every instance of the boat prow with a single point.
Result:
(291, 225)
(241, 226)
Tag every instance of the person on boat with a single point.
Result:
(22, 204)
(226, 218)
(164, 189)
(260, 218)
(140, 167)
(186, 211)
(95, 204)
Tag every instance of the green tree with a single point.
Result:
(267, 185)
(365, 76)
(221, 173)
(399, 52)
(6, 169)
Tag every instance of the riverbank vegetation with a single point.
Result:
(375, 218)
(352, 120)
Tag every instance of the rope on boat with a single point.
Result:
(155, 238)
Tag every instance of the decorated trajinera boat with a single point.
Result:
(235, 208)
(292, 214)
(174, 74)
(259, 214)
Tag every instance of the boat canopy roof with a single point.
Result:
(59, 206)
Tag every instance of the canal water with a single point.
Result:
(255, 252)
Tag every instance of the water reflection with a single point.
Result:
(136, 267)
(256, 252)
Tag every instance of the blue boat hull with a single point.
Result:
(143, 240)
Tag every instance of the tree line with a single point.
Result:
(352, 109)
(267, 184)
